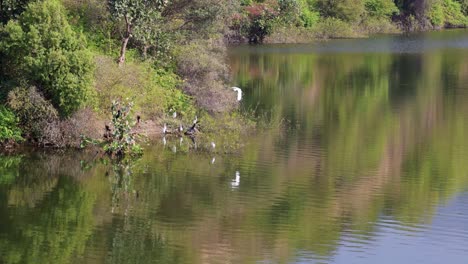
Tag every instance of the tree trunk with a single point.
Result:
(145, 51)
(123, 49)
(125, 39)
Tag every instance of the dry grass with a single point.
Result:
(206, 74)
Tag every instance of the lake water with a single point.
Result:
(364, 161)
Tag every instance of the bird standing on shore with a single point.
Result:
(239, 92)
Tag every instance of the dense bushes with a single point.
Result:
(41, 49)
(447, 13)
(205, 73)
(34, 112)
(276, 20)
(10, 9)
(9, 130)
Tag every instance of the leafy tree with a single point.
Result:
(260, 21)
(8, 126)
(346, 10)
(136, 15)
(446, 13)
(380, 8)
(11, 8)
(309, 16)
(42, 49)
(464, 6)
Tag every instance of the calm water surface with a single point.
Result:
(364, 161)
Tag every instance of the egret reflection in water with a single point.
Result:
(235, 183)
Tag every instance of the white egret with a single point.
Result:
(213, 145)
(235, 183)
(164, 141)
(213, 160)
(181, 128)
(165, 129)
(195, 120)
(174, 115)
(239, 92)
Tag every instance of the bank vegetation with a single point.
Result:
(64, 62)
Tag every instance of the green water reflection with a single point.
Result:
(354, 138)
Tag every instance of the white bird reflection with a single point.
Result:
(235, 183)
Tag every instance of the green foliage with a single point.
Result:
(258, 21)
(139, 19)
(8, 168)
(123, 140)
(453, 13)
(135, 11)
(436, 15)
(464, 6)
(34, 112)
(42, 49)
(10, 9)
(333, 28)
(346, 10)
(380, 8)
(290, 11)
(447, 13)
(152, 91)
(9, 126)
(309, 17)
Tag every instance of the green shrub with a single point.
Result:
(34, 112)
(258, 21)
(291, 34)
(333, 28)
(380, 8)
(374, 25)
(42, 49)
(453, 13)
(309, 18)
(464, 7)
(447, 13)
(122, 140)
(290, 11)
(152, 91)
(9, 130)
(345, 10)
(436, 14)
(10, 9)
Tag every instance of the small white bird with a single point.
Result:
(235, 183)
(195, 120)
(165, 129)
(213, 145)
(181, 128)
(239, 92)
(174, 115)
(213, 160)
